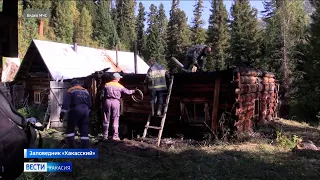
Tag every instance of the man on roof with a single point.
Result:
(78, 101)
(195, 56)
(112, 95)
(156, 80)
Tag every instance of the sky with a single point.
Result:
(187, 6)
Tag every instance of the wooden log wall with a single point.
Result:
(256, 97)
(239, 89)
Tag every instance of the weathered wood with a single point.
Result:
(214, 116)
(57, 92)
(248, 80)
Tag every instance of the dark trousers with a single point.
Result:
(158, 95)
(78, 116)
(188, 62)
(112, 113)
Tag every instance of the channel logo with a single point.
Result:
(47, 167)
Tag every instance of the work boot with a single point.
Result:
(159, 110)
(152, 109)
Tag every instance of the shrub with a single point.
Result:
(28, 112)
(285, 141)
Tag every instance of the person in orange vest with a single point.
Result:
(112, 95)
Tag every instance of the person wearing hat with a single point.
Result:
(112, 95)
(78, 101)
(156, 79)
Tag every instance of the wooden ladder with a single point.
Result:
(163, 116)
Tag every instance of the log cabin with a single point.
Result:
(232, 100)
(47, 68)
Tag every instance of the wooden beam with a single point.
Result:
(214, 117)
(37, 74)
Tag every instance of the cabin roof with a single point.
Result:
(62, 60)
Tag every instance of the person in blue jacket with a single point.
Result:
(78, 101)
(196, 56)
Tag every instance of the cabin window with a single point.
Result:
(37, 97)
(195, 113)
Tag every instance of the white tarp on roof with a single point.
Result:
(63, 61)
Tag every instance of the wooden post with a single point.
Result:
(117, 63)
(214, 117)
(135, 58)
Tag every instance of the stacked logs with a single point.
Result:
(256, 97)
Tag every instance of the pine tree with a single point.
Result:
(141, 36)
(83, 31)
(125, 22)
(162, 24)
(244, 40)
(104, 29)
(63, 21)
(218, 36)
(198, 32)
(177, 35)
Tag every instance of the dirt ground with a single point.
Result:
(262, 155)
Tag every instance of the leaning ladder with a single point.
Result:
(163, 116)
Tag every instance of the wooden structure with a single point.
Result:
(200, 99)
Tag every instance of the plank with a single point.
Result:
(214, 117)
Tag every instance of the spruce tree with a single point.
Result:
(198, 32)
(244, 45)
(125, 22)
(162, 25)
(141, 36)
(63, 21)
(83, 31)
(218, 36)
(153, 43)
(104, 29)
(177, 35)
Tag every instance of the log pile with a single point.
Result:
(256, 97)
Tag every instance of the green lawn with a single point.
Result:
(260, 157)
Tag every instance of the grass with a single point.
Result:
(260, 157)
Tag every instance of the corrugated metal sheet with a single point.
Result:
(63, 61)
